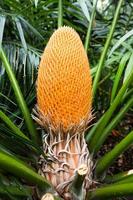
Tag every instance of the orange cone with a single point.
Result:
(64, 100)
(64, 91)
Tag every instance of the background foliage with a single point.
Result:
(25, 29)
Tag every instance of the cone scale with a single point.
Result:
(64, 100)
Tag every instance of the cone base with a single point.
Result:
(66, 153)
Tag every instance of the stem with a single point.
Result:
(18, 132)
(60, 13)
(107, 115)
(17, 167)
(111, 191)
(88, 35)
(122, 176)
(10, 124)
(19, 97)
(104, 53)
(14, 190)
(119, 74)
(77, 185)
(110, 157)
(127, 95)
(113, 123)
(126, 179)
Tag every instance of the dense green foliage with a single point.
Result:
(107, 33)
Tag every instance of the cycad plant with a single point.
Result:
(61, 154)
